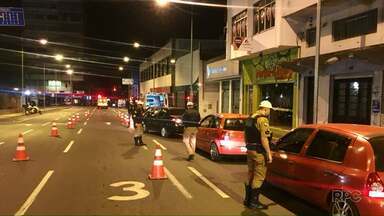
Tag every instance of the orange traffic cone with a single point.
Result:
(126, 122)
(157, 172)
(54, 130)
(21, 154)
(70, 124)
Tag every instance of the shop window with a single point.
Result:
(352, 101)
(225, 97)
(239, 25)
(281, 97)
(263, 15)
(360, 24)
(235, 96)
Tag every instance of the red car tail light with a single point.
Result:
(374, 186)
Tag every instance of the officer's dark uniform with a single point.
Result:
(137, 117)
(256, 160)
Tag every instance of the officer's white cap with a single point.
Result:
(266, 104)
(190, 103)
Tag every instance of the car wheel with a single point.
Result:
(164, 132)
(343, 208)
(145, 129)
(214, 153)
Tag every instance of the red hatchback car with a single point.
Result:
(222, 134)
(339, 167)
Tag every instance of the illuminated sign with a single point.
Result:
(10, 16)
(222, 69)
(54, 83)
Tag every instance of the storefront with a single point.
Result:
(221, 88)
(265, 79)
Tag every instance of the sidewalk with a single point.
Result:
(18, 114)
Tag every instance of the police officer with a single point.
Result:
(191, 119)
(257, 137)
(137, 117)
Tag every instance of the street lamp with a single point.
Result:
(43, 41)
(121, 68)
(126, 59)
(136, 45)
(69, 71)
(162, 3)
(173, 61)
(68, 66)
(59, 57)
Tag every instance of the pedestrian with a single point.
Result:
(137, 116)
(257, 137)
(191, 119)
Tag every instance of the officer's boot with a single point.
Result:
(254, 202)
(248, 191)
(141, 140)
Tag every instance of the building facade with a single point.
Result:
(274, 40)
(168, 70)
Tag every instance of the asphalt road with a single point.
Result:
(96, 170)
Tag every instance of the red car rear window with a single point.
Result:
(377, 144)
(234, 124)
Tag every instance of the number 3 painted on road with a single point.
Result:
(136, 187)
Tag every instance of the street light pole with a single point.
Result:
(317, 62)
(191, 51)
(22, 73)
(45, 88)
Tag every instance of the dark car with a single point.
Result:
(166, 121)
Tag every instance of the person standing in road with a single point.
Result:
(137, 117)
(257, 137)
(191, 119)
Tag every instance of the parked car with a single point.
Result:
(338, 167)
(222, 134)
(167, 121)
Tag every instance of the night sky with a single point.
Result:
(122, 21)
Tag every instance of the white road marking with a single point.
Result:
(210, 184)
(137, 187)
(34, 194)
(79, 132)
(45, 124)
(2, 143)
(177, 184)
(85, 123)
(161, 146)
(57, 119)
(108, 123)
(69, 146)
(28, 125)
(145, 147)
(27, 132)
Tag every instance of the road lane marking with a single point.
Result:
(79, 132)
(137, 187)
(177, 184)
(145, 147)
(161, 146)
(69, 146)
(45, 124)
(2, 143)
(27, 132)
(108, 123)
(85, 123)
(28, 125)
(57, 119)
(34, 194)
(210, 184)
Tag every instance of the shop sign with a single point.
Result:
(376, 106)
(279, 74)
(54, 83)
(161, 90)
(222, 69)
(10, 16)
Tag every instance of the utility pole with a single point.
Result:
(191, 51)
(45, 90)
(317, 62)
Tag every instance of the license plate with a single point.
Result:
(243, 149)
